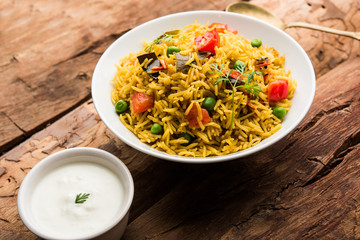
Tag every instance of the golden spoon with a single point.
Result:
(262, 14)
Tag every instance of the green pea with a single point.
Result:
(171, 49)
(187, 137)
(279, 112)
(256, 42)
(209, 103)
(239, 64)
(156, 128)
(121, 106)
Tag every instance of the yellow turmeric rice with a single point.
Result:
(244, 81)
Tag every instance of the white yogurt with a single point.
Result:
(53, 200)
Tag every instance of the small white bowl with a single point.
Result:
(115, 227)
(131, 42)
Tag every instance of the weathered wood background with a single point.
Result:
(304, 187)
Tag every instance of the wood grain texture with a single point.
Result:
(303, 187)
(49, 51)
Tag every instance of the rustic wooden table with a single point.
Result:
(305, 186)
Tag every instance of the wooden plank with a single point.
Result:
(47, 73)
(245, 197)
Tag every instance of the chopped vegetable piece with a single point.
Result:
(235, 74)
(203, 55)
(148, 56)
(181, 61)
(279, 112)
(121, 106)
(209, 103)
(256, 42)
(208, 42)
(156, 128)
(157, 68)
(234, 79)
(194, 115)
(153, 63)
(172, 49)
(187, 137)
(163, 65)
(141, 102)
(278, 90)
(173, 32)
(220, 27)
(263, 62)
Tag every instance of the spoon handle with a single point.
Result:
(355, 35)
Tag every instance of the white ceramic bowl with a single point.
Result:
(296, 60)
(115, 227)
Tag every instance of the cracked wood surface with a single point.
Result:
(305, 186)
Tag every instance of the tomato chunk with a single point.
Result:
(141, 102)
(194, 115)
(234, 74)
(278, 90)
(220, 27)
(208, 42)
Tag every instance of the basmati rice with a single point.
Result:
(175, 92)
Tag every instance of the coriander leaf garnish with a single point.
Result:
(81, 198)
(252, 88)
(251, 75)
(225, 78)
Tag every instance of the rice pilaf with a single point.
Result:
(243, 113)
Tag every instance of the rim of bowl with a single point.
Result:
(210, 159)
(54, 158)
